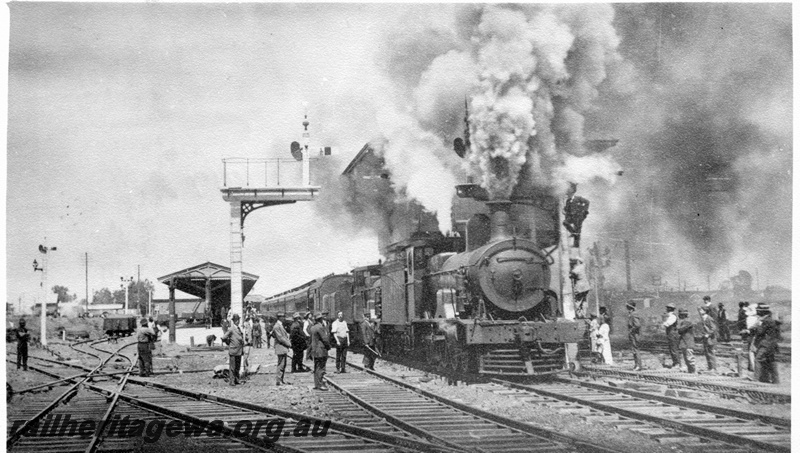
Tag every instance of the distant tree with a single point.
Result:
(138, 293)
(103, 296)
(63, 294)
(119, 297)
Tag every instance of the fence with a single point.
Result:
(267, 172)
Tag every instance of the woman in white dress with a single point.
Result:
(604, 342)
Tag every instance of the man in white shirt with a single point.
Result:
(671, 324)
(341, 333)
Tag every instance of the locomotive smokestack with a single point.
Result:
(500, 220)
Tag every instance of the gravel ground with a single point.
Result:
(259, 388)
(573, 425)
(299, 397)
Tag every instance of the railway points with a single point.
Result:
(146, 400)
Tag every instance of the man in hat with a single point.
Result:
(766, 335)
(673, 339)
(741, 327)
(341, 333)
(368, 340)
(247, 334)
(709, 308)
(308, 321)
(144, 335)
(23, 336)
(634, 328)
(319, 350)
(235, 340)
(722, 323)
(298, 343)
(686, 332)
(751, 322)
(709, 338)
(282, 346)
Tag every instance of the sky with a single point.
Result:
(119, 116)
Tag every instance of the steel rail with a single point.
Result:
(676, 402)
(751, 391)
(103, 391)
(72, 391)
(693, 427)
(365, 433)
(397, 421)
(97, 436)
(577, 443)
(116, 395)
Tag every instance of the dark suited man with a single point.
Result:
(298, 343)
(23, 335)
(634, 329)
(282, 346)
(235, 341)
(368, 340)
(320, 344)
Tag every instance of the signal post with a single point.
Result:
(250, 184)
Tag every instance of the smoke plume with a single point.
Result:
(699, 96)
(705, 131)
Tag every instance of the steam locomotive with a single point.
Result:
(480, 301)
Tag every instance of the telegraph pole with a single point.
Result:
(627, 264)
(126, 282)
(87, 282)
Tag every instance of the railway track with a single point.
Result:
(721, 385)
(229, 425)
(726, 350)
(689, 424)
(448, 422)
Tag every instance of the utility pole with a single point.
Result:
(138, 300)
(595, 252)
(87, 282)
(126, 284)
(627, 264)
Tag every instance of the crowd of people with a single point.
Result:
(760, 335)
(307, 337)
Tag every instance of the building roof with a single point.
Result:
(192, 280)
(368, 149)
(105, 306)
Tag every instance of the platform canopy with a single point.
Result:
(196, 279)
